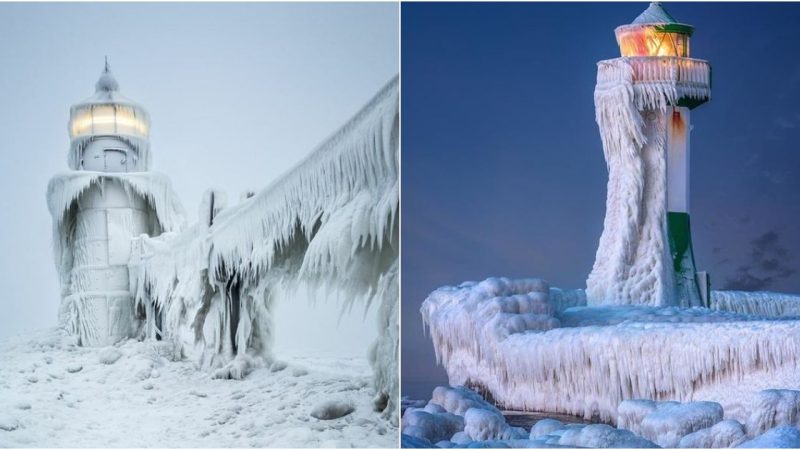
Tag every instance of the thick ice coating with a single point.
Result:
(508, 337)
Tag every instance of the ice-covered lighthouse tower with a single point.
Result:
(108, 197)
(643, 101)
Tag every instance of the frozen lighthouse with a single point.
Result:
(107, 198)
(643, 101)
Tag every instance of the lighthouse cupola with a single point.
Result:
(109, 132)
(654, 33)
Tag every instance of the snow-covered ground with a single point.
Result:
(54, 393)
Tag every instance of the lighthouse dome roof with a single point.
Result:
(655, 13)
(656, 16)
(107, 93)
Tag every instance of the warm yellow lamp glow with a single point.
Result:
(652, 41)
(107, 119)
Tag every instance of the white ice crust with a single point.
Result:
(633, 262)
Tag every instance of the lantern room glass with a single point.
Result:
(652, 41)
(108, 119)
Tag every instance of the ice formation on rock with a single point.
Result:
(469, 421)
(331, 223)
(779, 437)
(774, 407)
(725, 434)
(668, 424)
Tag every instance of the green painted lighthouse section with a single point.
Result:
(680, 245)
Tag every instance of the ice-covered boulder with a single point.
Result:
(728, 433)
(458, 399)
(784, 436)
(602, 436)
(630, 413)
(485, 424)
(545, 427)
(460, 438)
(434, 427)
(669, 423)
(332, 409)
(409, 441)
(774, 407)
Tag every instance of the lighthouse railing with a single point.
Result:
(690, 77)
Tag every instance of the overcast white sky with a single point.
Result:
(237, 94)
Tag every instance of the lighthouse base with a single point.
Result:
(100, 319)
(687, 281)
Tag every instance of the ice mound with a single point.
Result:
(779, 437)
(109, 355)
(774, 407)
(458, 400)
(483, 424)
(433, 427)
(602, 436)
(631, 413)
(545, 427)
(725, 434)
(460, 415)
(536, 348)
(332, 409)
(668, 424)
(409, 441)
(8, 423)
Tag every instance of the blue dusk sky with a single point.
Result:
(237, 93)
(503, 171)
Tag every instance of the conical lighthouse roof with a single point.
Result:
(655, 13)
(107, 92)
(656, 16)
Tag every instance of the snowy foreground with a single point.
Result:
(54, 393)
(459, 417)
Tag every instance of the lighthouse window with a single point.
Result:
(104, 120)
(653, 41)
(108, 119)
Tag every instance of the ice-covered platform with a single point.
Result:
(537, 348)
